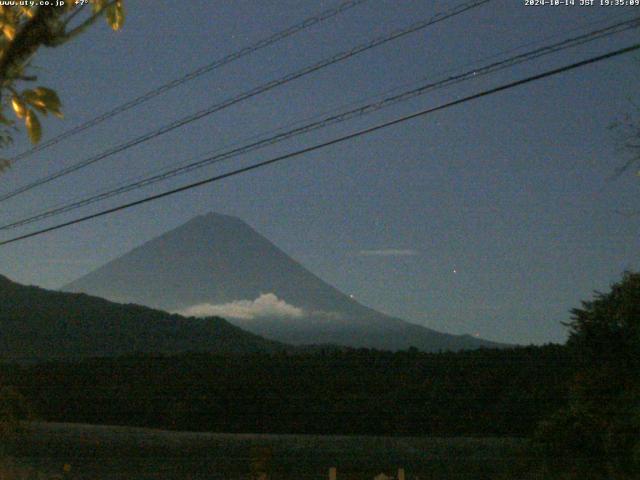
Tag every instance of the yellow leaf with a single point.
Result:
(27, 12)
(33, 99)
(9, 31)
(48, 95)
(34, 129)
(115, 15)
(40, 106)
(18, 106)
(98, 5)
(50, 100)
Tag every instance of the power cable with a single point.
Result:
(265, 42)
(335, 141)
(246, 95)
(337, 118)
(125, 182)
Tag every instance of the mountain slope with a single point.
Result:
(39, 323)
(217, 263)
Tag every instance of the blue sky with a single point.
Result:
(494, 217)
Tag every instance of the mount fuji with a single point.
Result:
(217, 265)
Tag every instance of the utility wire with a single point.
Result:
(265, 42)
(335, 141)
(337, 118)
(249, 94)
(156, 171)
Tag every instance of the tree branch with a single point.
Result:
(39, 30)
(83, 26)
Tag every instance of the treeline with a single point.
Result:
(43, 324)
(478, 393)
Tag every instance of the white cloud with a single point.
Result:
(266, 305)
(388, 252)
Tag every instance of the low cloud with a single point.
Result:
(266, 305)
(388, 252)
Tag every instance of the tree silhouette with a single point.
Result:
(601, 425)
(23, 30)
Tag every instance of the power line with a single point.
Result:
(141, 177)
(336, 118)
(335, 141)
(265, 42)
(249, 94)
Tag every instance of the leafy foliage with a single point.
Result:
(477, 393)
(608, 327)
(601, 424)
(23, 30)
(269, 387)
(13, 409)
(41, 324)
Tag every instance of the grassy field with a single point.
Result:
(109, 453)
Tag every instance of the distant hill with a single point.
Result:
(43, 324)
(217, 264)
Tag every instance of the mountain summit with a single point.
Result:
(218, 265)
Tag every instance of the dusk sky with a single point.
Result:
(494, 217)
